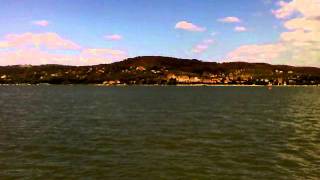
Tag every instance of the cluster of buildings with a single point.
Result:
(144, 75)
(210, 78)
(241, 77)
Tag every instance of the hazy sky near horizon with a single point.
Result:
(85, 32)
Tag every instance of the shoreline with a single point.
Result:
(163, 85)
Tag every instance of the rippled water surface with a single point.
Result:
(73, 132)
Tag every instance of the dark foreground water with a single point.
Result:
(72, 132)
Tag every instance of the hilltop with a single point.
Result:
(162, 70)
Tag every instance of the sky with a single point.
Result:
(87, 32)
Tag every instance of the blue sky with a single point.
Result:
(146, 27)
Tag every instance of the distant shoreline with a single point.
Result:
(159, 85)
(157, 70)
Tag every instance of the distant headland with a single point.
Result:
(156, 70)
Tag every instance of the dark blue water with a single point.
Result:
(74, 132)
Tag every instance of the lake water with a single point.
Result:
(72, 132)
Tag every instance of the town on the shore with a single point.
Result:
(155, 70)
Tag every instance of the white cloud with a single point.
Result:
(114, 37)
(240, 29)
(100, 56)
(42, 23)
(200, 48)
(230, 19)
(203, 46)
(257, 53)
(184, 25)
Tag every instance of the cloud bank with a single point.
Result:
(50, 48)
(299, 45)
(48, 40)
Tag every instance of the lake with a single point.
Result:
(89, 132)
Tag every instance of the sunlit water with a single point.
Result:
(89, 132)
